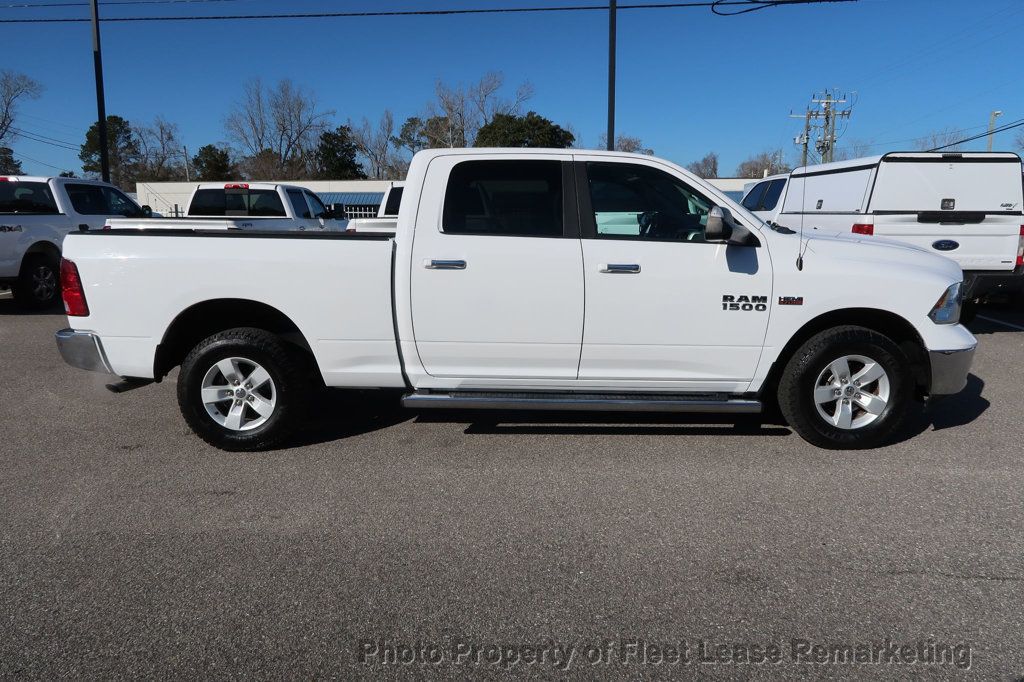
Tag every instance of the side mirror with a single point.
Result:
(722, 227)
(720, 223)
(147, 212)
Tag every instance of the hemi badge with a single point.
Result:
(791, 300)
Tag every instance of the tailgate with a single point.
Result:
(989, 244)
(966, 206)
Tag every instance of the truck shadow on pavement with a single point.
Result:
(9, 307)
(343, 414)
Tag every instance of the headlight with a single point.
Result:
(947, 309)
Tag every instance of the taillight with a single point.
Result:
(1020, 248)
(863, 228)
(71, 287)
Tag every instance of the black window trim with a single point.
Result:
(571, 219)
(588, 223)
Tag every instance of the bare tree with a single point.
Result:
(706, 167)
(161, 153)
(277, 129)
(624, 143)
(375, 143)
(940, 138)
(855, 150)
(760, 165)
(457, 113)
(14, 86)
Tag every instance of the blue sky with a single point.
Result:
(689, 82)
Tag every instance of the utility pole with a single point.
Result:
(611, 74)
(101, 109)
(828, 114)
(188, 177)
(804, 139)
(991, 126)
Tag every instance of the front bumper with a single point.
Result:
(950, 369)
(83, 350)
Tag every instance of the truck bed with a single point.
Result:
(335, 287)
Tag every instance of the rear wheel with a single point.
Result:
(38, 284)
(846, 388)
(242, 389)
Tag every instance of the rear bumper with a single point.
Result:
(83, 350)
(981, 283)
(950, 369)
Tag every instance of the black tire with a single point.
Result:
(38, 284)
(288, 389)
(968, 311)
(801, 377)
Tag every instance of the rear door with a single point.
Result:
(966, 207)
(93, 204)
(497, 272)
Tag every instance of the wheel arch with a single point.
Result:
(206, 318)
(897, 328)
(40, 247)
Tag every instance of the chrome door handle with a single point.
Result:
(445, 265)
(621, 268)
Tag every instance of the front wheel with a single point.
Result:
(846, 388)
(242, 389)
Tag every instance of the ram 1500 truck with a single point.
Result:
(35, 215)
(261, 206)
(536, 279)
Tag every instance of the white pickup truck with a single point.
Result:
(387, 214)
(966, 206)
(246, 206)
(526, 279)
(35, 215)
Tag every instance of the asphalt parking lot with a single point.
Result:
(129, 548)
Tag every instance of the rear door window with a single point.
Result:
(512, 198)
(394, 201)
(772, 194)
(298, 202)
(753, 198)
(25, 198)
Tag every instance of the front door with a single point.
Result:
(665, 308)
(497, 272)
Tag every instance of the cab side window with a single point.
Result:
(772, 195)
(640, 202)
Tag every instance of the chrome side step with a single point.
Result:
(581, 402)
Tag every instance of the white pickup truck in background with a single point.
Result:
(246, 206)
(965, 206)
(35, 215)
(692, 304)
(387, 215)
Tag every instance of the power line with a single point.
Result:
(61, 145)
(752, 4)
(1000, 129)
(51, 139)
(22, 157)
(111, 3)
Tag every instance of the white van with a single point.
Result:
(965, 206)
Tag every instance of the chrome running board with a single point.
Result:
(598, 402)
